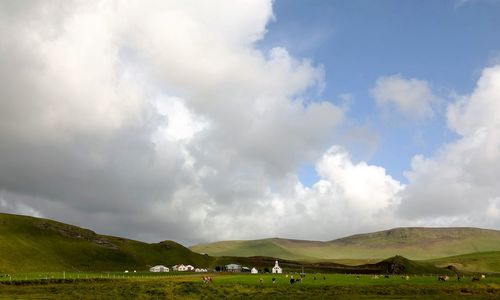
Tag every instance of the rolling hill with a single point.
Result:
(413, 242)
(31, 244)
(471, 262)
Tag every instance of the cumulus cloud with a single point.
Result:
(411, 97)
(349, 197)
(149, 118)
(461, 180)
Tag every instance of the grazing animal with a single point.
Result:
(443, 278)
(483, 276)
(476, 278)
(292, 281)
(386, 276)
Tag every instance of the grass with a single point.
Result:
(224, 286)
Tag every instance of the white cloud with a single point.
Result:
(348, 198)
(165, 111)
(411, 97)
(461, 180)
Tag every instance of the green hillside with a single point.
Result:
(31, 244)
(472, 262)
(414, 243)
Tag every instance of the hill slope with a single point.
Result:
(472, 262)
(413, 242)
(32, 244)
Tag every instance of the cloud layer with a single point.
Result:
(164, 120)
(156, 112)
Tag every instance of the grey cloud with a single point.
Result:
(82, 138)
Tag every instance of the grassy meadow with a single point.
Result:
(239, 286)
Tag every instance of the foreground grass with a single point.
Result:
(249, 286)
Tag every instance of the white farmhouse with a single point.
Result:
(159, 268)
(189, 268)
(254, 271)
(233, 268)
(200, 270)
(181, 268)
(277, 269)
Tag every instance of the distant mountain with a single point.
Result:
(31, 244)
(412, 242)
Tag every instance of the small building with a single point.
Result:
(200, 270)
(245, 269)
(189, 268)
(233, 268)
(159, 268)
(277, 269)
(254, 271)
(181, 268)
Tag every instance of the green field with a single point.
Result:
(414, 243)
(327, 286)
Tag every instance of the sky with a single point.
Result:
(200, 121)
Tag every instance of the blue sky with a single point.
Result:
(446, 43)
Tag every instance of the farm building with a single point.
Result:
(189, 268)
(200, 270)
(254, 271)
(158, 268)
(233, 268)
(179, 268)
(277, 269)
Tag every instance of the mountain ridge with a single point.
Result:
(412, 242)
